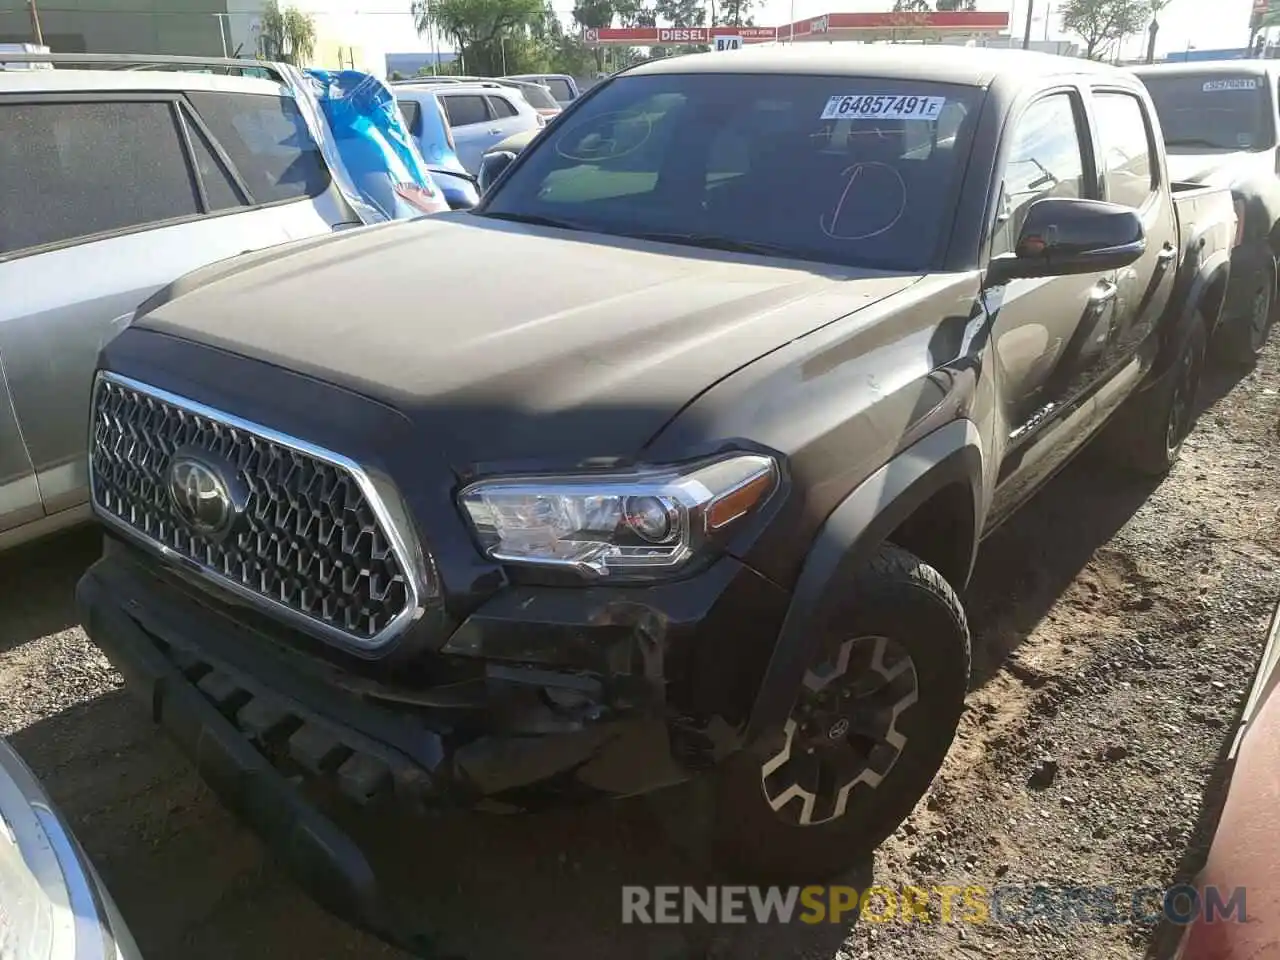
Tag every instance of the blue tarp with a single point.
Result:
(371, 139)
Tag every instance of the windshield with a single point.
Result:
(1213, 112)
(843, 170)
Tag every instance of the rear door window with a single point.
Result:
(559, 88)
(268, 141)
(412, 113)
(465, 109)
(1126, 150)
(538, 97)
(73, 170)
(220, 190)
(502, 107)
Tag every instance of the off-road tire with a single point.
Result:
(1141, 437)
(899, 597)
(1240, 341)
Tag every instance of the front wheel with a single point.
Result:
(873, 720)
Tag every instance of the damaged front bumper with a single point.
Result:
(554, 695)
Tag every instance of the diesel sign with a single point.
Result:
(683, 35)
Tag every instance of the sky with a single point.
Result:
(1204, 24)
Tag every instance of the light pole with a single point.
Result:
(223, 31)
(1026, 36)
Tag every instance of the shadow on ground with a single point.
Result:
(37, 585)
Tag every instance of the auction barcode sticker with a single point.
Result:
(1248, 83)
(877, 106)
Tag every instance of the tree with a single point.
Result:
(957, 4)
(1157, 7)
(734, 13)
(593, 15)
(481, 29)
(287, 35)
(636, 13)
(1102, 24)
(911, 6)
(682, 13)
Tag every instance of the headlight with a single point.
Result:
(643, 524)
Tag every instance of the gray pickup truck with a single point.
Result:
(689, 486)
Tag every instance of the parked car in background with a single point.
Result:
(23, 48)
(498, 157)
(101, 209)
(1220, 126)
(538, 96)
(562, 86)
(428, 125)
(371, 144)
(482, 113)
(53, 906)
(1243, 862)
(696, 487)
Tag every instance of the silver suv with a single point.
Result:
(114, 183)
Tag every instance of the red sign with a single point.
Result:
(957, 21)
(951, 19)
(651, 36)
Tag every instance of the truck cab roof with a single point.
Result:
(970, 66)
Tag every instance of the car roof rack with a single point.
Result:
(130, 61)
(459, 81)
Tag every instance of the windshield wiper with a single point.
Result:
(1196, 142)
(535, 220)
(712, 242)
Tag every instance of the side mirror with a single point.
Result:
(491, 167)
(1063, 236)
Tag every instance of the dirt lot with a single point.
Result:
(1117, 623)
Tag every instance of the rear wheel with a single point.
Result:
(1243, 340)
(1148, 432)
(876, 713)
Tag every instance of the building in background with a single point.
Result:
(345, 38)
(409, 64)
(187, 27)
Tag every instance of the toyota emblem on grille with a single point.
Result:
(201, 496)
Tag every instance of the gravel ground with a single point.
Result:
(1117, 627)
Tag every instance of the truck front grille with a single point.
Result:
(301, 530)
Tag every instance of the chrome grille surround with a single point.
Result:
(316, 545)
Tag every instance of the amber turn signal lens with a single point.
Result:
(737, 502)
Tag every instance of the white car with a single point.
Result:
(480, 114)
(114, 183)
(53, 906)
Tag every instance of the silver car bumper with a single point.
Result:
(53, 906)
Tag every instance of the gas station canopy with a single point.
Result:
(830, 27)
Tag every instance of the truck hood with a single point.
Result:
(1218, 168)
(503, 341)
